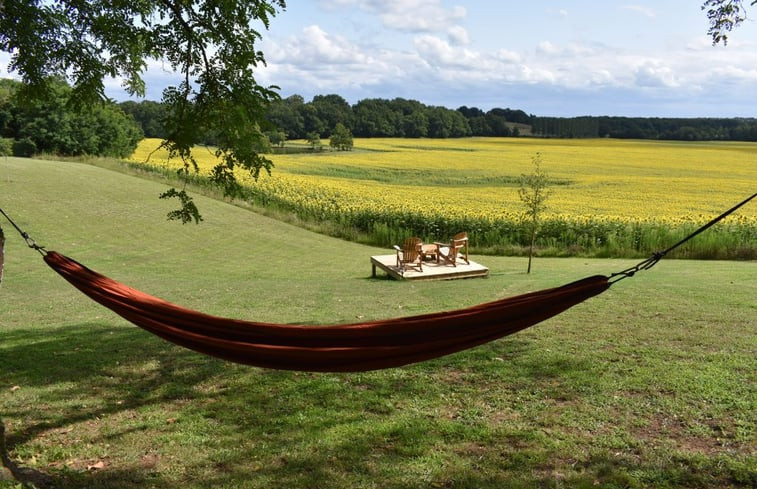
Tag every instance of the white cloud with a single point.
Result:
(547, 48)
(507, 56)
(735, 74)
(316, 61)
(318, 58)
(314, 46)
(418, 15)
(458, 35)
(653, 73)
(441, 54)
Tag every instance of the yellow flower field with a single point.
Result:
(433, 186)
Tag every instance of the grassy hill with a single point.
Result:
(649, 384)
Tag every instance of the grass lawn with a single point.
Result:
(651, 384)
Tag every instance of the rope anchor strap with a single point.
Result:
(29, 241)
(659, 255)
(2, 253)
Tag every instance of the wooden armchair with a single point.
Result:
(456, 248)
(410, 255)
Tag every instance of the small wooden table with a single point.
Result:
(430, 251)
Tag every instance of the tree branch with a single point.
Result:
(724, 16)
(189, 31)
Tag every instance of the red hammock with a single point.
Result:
(342, 348)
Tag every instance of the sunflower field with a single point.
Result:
(607, 197)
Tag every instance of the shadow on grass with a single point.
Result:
(248, 427)
(283, 429)
(89, 371)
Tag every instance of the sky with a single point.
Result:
(548, 58)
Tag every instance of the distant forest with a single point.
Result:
(54, 126)
(294, 118)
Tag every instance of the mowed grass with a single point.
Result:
(651, 384)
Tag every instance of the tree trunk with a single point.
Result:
(4, 457)
(29, 478)
(531, 249)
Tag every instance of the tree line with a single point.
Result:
(294, 118)
(398, 117)
(52, 123)
(677, 129)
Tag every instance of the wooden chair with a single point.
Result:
(456, 248)
(410, 255)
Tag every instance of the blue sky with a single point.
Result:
(547, 58)
(631, 58)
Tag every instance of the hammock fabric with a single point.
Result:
(342, 348)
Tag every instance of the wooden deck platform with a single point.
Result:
(431, 270)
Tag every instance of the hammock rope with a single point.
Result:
(659, 255)
(2, 254)
(29, 241)
(361, 346)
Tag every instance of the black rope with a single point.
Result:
(659, 255)
(2, 264)
(29, 241)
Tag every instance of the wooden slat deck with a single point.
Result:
(431, 270)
